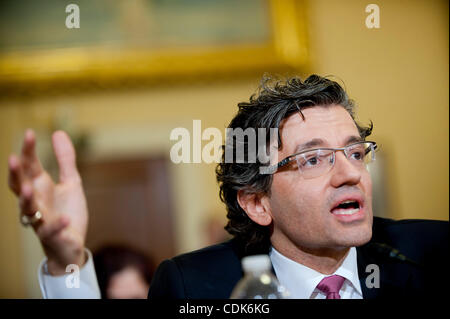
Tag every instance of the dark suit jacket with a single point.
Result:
(412, 256)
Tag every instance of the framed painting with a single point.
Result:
(126, 42)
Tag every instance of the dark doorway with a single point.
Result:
(129, 204)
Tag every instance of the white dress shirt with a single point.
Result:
(301, 281)
(298, 279)
(62, 287)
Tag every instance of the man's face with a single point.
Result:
(303, 210)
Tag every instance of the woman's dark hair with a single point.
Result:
(274, 101)
(112, 259)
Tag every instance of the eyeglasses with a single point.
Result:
(316, 162)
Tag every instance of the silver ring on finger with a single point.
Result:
(31, 220)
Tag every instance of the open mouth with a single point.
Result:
(347, 207)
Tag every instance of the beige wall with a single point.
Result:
(398, 74)
(12, 283)
(122, 123)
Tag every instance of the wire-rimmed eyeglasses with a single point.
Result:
(318, 161)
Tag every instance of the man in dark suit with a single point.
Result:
(307, 204)
(311, 210)
(214, 271)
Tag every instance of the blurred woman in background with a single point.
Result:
(123, 272)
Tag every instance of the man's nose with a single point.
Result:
(344, 172)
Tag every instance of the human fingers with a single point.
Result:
(28, 206)
(31, 165)
(65, 156)
(27, 203)
(47, 226)
(14, 174)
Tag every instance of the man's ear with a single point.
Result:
(256, 206)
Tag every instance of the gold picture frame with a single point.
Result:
(40, 71)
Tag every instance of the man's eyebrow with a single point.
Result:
(310, 144)
(317, 142)
(353, 139)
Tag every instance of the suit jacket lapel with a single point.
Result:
(364, 259)
(395, 277)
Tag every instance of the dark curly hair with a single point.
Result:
(112, 259)
(274, 101)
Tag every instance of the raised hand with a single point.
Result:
(63, 225)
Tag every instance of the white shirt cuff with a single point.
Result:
(74, 285)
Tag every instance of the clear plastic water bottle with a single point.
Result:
(258, 281)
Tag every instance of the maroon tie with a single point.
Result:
(331, 286)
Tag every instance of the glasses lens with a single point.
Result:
(314, 163)
(361, 153)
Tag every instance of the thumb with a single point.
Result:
(65, 156)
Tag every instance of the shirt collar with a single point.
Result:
(349, 270)
(301, 281)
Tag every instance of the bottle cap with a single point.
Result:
(256, 263)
